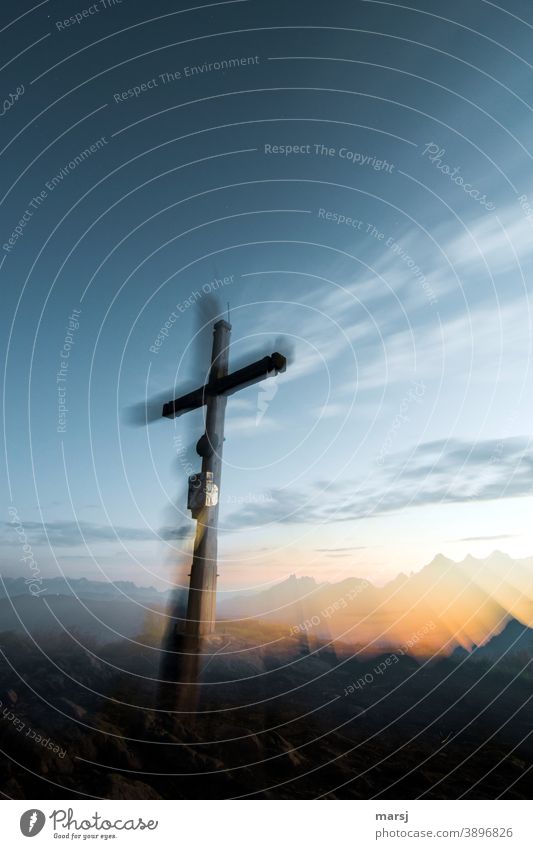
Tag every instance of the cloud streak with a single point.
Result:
(437, 472)
(72, 534)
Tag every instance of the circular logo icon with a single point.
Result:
(32, 822)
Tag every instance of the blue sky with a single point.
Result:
(401, 427)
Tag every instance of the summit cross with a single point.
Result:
(204, 487)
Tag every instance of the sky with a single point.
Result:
(355, 180)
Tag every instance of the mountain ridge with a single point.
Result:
(443, 606)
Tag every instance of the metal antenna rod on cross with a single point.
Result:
(204, 488)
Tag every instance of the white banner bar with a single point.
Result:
(284, 824)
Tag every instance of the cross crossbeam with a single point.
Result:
(226, 385)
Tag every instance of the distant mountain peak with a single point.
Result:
(294, 580)
(511, 640)
(440, 563)
(400, 579)
(498, 555)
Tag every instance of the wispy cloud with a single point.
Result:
(436, 472)
(248, 425)
(486, 538)
(72, 534)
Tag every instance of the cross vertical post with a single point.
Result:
(201, 606)
(204, 487)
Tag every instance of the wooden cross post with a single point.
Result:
(204, 488)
